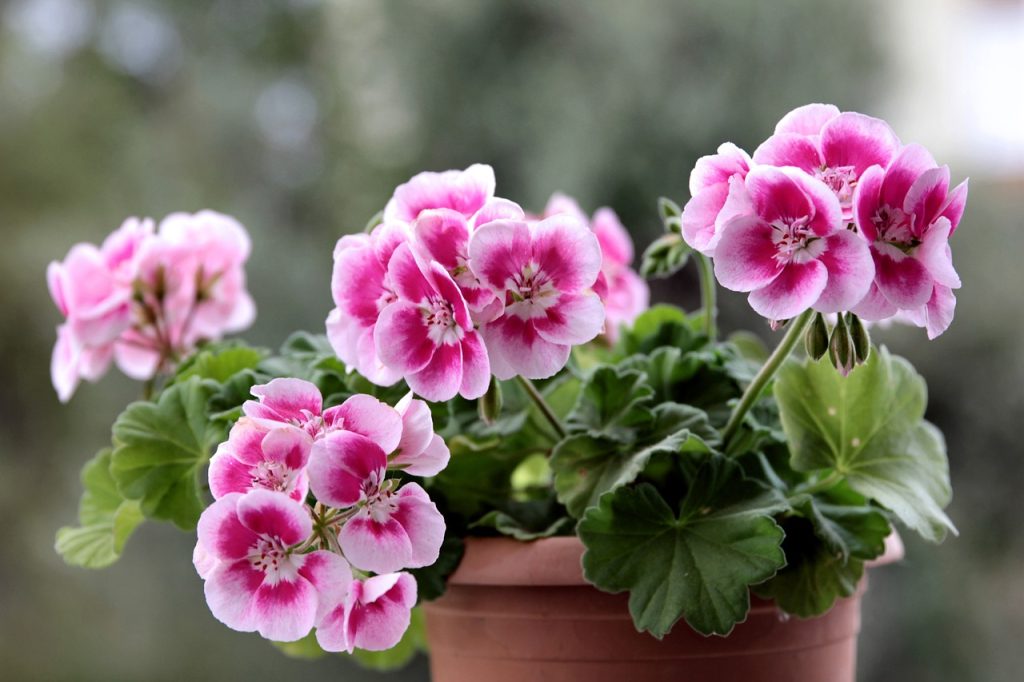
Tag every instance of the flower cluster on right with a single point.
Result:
(831, 213)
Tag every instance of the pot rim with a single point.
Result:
(557, 561)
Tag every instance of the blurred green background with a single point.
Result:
(300, 117)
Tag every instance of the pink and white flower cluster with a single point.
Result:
(457, 284)
(833, 213)
(146, 297)
(275, 565)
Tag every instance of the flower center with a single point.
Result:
(795, 242)
(442, 327)
(893, 227)
(842, 180)
(530, 293)
(273, 476)
(270, 556)
(382, 506)
(312, 424)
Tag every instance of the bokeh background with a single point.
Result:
(300, 117)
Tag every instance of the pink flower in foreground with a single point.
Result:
(837, 148)
(259, 582)
(361, 289)
(298, 403)
(791, 251)
(464, 192)
(907, 213)
(428, 334)
(421, 452)
(706, 212)
(545, 273)
(374, 614)
(391, 529)
(624, 293)
(256, 456)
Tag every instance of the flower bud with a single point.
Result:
(489, 405)
(840, 348)
(816, 338)
(860, 337)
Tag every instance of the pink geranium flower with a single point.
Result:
(421, 452)
(464, 192)
(258, 456)
(427, 334)
(837, 148)
(545, 274)
(361, 289)
(706, 212)
(624, 293)
(390, 529)
(374, 614)
(259, 581)
(298, 403)
(791, 250)
(907, 213)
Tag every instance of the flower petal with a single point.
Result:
(372, 545)
(221, 532)
(275, 514)
(926, 198)
(874, 307)
(441, 378)
(340, 463)
(464, 191)
(616, 244)
(745, 258)
(852, 139)
(230, 588)
(498, 209)
(909, 163)
(401, 338)
(443, 236)
(776, 195)
(498, 251)
(939, 311)
(370, 417)
(789, 149)
(476, 367)
(330, 575)
(575, 319)
(808, 119)
(902, 279)
(699, 216)
(796, 289)
(228, 475)
(379, 614)
(866, 200)
(717, 168)
(284, 611)
(935, 254)
(955, 205)
(408, 279)
(851, 271)
(567, 251)
(422, 522)
(284, 400)
(514, 347)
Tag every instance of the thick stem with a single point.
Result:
(765, 374)
(707, 295)
(822, 485)
(543, 406)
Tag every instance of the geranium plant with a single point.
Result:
(487, 371)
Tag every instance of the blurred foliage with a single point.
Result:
(299, 117)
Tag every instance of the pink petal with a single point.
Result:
(935, 254)
(422, 522)
(955, 205)
(514, 347)
(909, 163)
(902, 279)
(417, 425)
(230, 588)
(745, 258)
(441, 378)
(574, 319)
(401, 337)
(498, 209)
(926, 198)
(567, 251)
(443, 235)
(874, 307)
(628, 296)
(228, 475)
(807, 120)
(776, 195)
(64, 365)
(852, 139)
(358, 282)
(138, 362)
(463, 191)
(789, 149)
(288, 445)
(367, 416)
(498, 251)
(408, 279)
(203, 561)
(378, 615)
(372, 545)
(340, 464)
(563, 204)
(428, 462)
(717, 168)
(476, 367)
(330, 628)
(616, 244)
(796, 289)
(285, 611)
(276, 515)
(284, 400)
(330, 575)
(939, 311)
(446, 287)
(699, 215)
(220, 531)
(866, 200)
(55, 283)
(850, 272)
(828, 214)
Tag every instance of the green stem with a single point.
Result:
(707, 295)
(822, 485)
(542, 404)
(765, 374)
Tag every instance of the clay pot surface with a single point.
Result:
(521, 612)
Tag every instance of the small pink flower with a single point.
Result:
(837, 148)
(421, 452)
(257, 456)
(259, 581)
(791, 251)
(545, 274)
(391, 529)
(465, 192)
(907, 213)
(298, 403)
(373, 616)
(361, 289)
(428, 334)
(707, 211)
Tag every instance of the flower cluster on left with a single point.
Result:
(277, 565)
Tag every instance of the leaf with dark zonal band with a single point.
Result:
(613, 403)
(697, 565)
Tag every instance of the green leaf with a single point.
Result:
(160, 450)
(586, 467)
(698, 565)
(527, 519)
(413, 641)
(671, 215)
(612, 404)
(106, 519)
(848, 529)
(661, 325)
(220, 364)
(869, 427)
(815, 576)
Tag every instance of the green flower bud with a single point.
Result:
(816, 338)
(840, 348)
(861, 339)
(489, 405)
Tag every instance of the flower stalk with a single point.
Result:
(707, 295)
(542, 405)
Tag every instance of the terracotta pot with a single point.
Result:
(521, 612)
